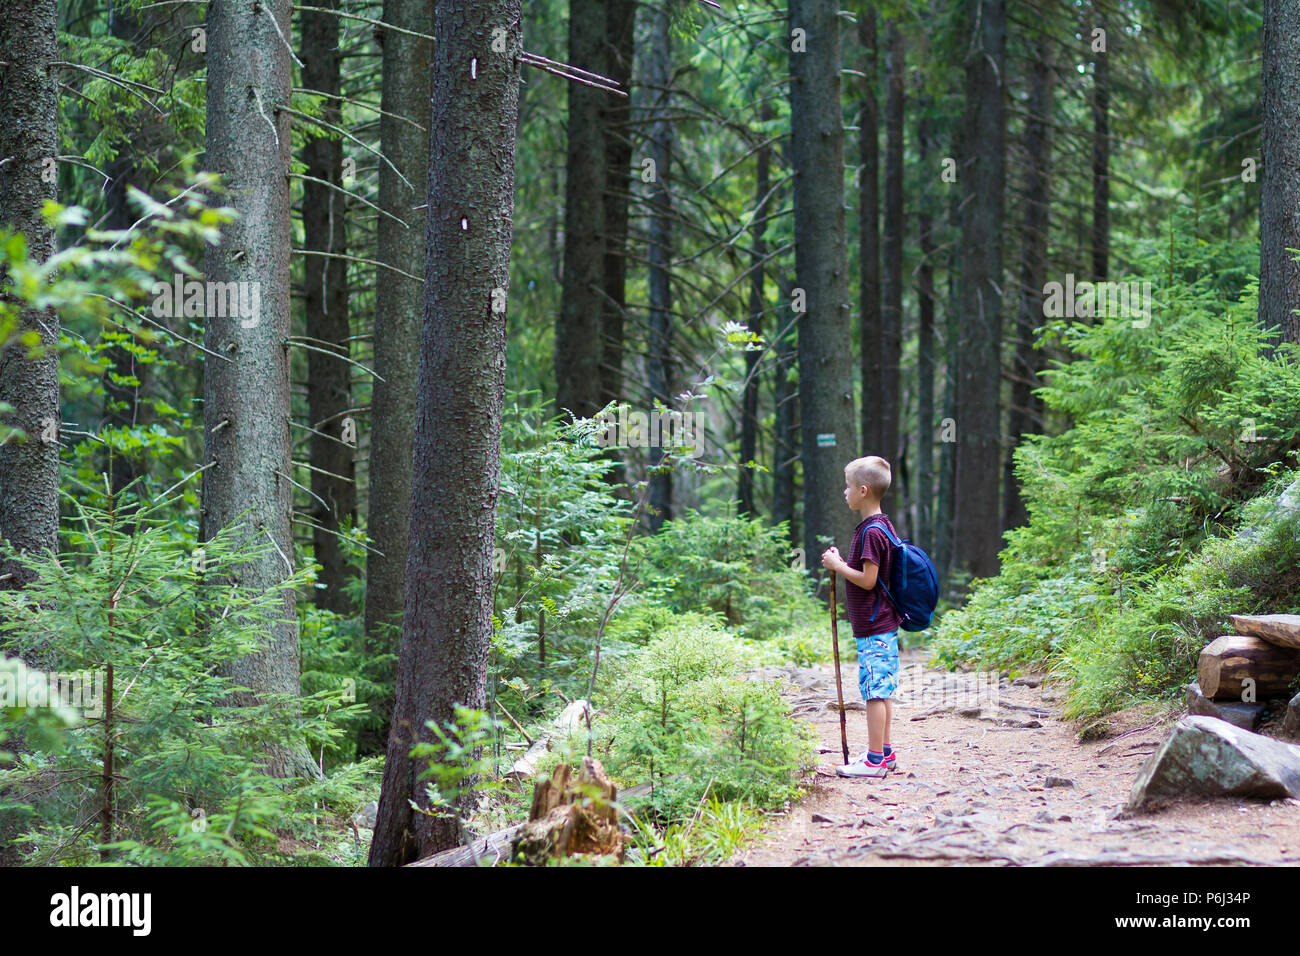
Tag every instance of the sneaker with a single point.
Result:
(891, 761)
(860, 768)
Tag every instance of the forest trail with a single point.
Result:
(1004, 784)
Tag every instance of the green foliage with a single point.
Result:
(684, 718)
(739, 568)
(1181, 433)
(710, 838)
(130, 594)
(456, 761)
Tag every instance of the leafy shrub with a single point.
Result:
(684, 719)
(739, 568)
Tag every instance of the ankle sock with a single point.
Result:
(888, 750)
(874, 758)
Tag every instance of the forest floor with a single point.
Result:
(989, 775)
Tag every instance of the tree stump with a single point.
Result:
(1228, 661)
(571, 816)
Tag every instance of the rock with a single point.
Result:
(1027, 681)
(826, 818)
(366, 816)
(1057, 782)
(1208, 757)
(1043, 816)
(1287, 507)
(1291, 724)
(1280, 629)
(1238, 714)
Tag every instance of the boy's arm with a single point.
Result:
(865, 579)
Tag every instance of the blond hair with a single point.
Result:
(872, 471)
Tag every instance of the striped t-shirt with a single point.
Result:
(874, 546)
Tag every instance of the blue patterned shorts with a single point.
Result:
(878, 665)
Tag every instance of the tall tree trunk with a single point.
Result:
(620, 19)
(870, 324)
(945, 508)
(124, 378)
(924, 533)
(1026, 408)
(1101, 155)
(660, 366)
(329, 379)
(785, 400)
(29, 467)
(246, 399)
(29, 143)
(579, 352)
(457, 454)
(889, 388)
(398, 303)
(827, 412)
(978, 455)
(749, 412)
(1279, 204)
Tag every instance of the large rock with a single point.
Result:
(1291, 724)
(1240, 715)
(1208, 757)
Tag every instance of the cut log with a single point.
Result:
(1236, 713)
(489, 849)
(1280, 629)
(1228, 661)
(496, 846)
(570, 720)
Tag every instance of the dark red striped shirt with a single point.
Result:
(872, 545)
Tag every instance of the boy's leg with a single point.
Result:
(876, 710)
(889, 720)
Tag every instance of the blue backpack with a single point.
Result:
(913, 584)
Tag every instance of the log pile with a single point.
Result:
(1236, 673)
(571, 815)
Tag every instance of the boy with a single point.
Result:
(866, 481)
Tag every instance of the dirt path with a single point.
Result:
(992, 777)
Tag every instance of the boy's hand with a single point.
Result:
(831, 559)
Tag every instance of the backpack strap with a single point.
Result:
(880, 581)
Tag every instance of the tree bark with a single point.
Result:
(620, 18)
(1026, 413)
(924, 533)
(398, 303)
(978, 519)
(29, 467)
(749, 409)
(1279, 204)
(448, 626)
(246, 400)
(660, 365)
(329, 379)
(888, 386)
(579, 350)
(828, 430)
(870, 324)
(1100, 156)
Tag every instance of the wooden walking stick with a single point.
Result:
(839, 688)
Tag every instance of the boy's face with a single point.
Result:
(855, 495)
